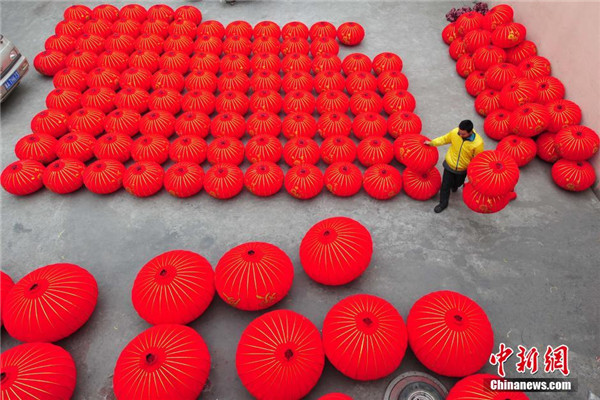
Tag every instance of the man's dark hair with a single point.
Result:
(466, 125)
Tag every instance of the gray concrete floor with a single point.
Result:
(533, 267)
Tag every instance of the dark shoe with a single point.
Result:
(439, 208)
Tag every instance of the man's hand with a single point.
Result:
(428, 143)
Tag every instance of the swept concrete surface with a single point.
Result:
(533, 267)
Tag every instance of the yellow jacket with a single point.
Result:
(461, 151)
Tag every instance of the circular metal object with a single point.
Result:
(415, 386)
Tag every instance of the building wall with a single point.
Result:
(568, 34)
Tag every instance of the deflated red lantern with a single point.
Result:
(350, 33)
(563, 113)
(375, 150)
(188, 148)
(175, 287)
(478, 387)
(280, 355)
(546, 147)
(60, 299)
(184, 179)
(493, 173)
(421, 185)
(301, 150)
(144, 178)
(153, 148)
(497, 124)
(529, 120)
(22, 177)
(224, 181)
(412, 151)
(304, 181)
(382, 181)
(450, 333)
(51, 122)
(225, 149)
(263, 178)
(254, 276)
(299, 124)
(334, 124)
(104, 176)
(343, 179)
(403, 123)
(113, 145)
(37, 371)
(335, 251)
(160, 361)
(577, 143)
(37, 147)
(364, 318)
(521, 149)
(574, 176)
(64, 176)
(482, 203)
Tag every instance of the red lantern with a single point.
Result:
(209, 44)
(499, 75)
(449, 33)
(98, 27)
(299, 124)
(192, 123)
(153, 148)
(103, 77)
(487, 101)
(563, 113)
(304, 181)
(549, 89)
(265, 61)
(190, 13)
(398, 100)
(382, 181)
(100, 98)
(390, 80)
(49, 62)
(467, 22)
(131, 99)
(322, 28)
(211, 27)
(324, 44)
(478, 387)
(133, 11)
(529, 120)
(475, 83)
(350, 33)
(280, 355)
(136, 78)
(375, 150)
(263, 148)
(151, 26)
(266, 100)
(224, 181)
(294, 29)
(332, 100)
(232, 101)
(404, 122)
(263, 178)
(228, 124)
(175, 287)
(577, 143)
(535, 67)
(104, 176)
(37, 371)
(235, 62)
(184, 179)
(387, 62)
(343, 179)
(158, 122)
(477, 38)
(60, 298)
(63, 43)
(334, 124)
(225, 149)
(336, 251)
(70, 78)
(144, 178)
(369, 124)
(254, 276)
(299, 101)
(518, 92)
(297, 80)
(450, 333)
(78, 12)
(457, 48)
(151, 42)
(200, 100)
(295, 45)
(335, 396)
(188, 148)
(301, 150)
(167, 100)
(267, 28)
(76, 145)
(493, 173)
(201, 80)
(498, 15)
(509, 35)
(114, 60)
(183, 27)
(546, 147)
(174, 61)
(87, 42)
(236, 44)
(329, 80)
(487, 56)
(127, 27)
(168, 79)
(113, 145)
(574, 176)
(338, 148)
(296, 62)
(120, 42)
(162, 12)
(520, 52)
(497, 124)
(421, 185)
(205, 61)
(241, 28)
(356, 62)
(38, 147)
(521, 149)
(160, 361)
(265, 80)
(482, 203)
(360, 81)
(326, 62)
(263, 123)
(356, 320)
(465, 65)
(83, 60)
(266, 44)
(6, 283)
(412, 151)
(51, 122)
(22, 177)
(71, 28)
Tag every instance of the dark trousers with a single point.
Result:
(450, 181)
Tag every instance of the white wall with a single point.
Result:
(568, 34)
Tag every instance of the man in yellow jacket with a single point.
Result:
(465, 144)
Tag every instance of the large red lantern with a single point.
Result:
(238, 45)
(183, 27)
(457, 48)
(265, 61)
(336, 251)
(235, 62)
(267, 28)
(375, 150)
(525, 49)
(211, 27)
(549, 89)
(205, 61)
(563, 113)
(135, 12)
(529, 120)
(225, 149)
(203, 101)
(192, 123)
(70, 78)
(233, 80)
(263, 178)
(356, 62)
(493, 173)
(71, 28)
(168, 79)
(477, 38)
(120, 42)
(521, 149)
(150, 26)
(482, 203)
(301, 150)
(175, 287)
(390, 80)
(88, 120)
(266, 44)
(263, 148)
(323, 45)
(241, 28)
(184, 179)
(254, 276)
(475, 83)
(509, 35)
(478, 387)
(115, 60)
(280, 355)
(487, 101)
(487, 56)
(297, 80)
(403, 123)
(124, 121)
(338, 148)
(190, 13)
(304, 181)
(113, 145)
(449, 33)
(421, 185)
(60, 298)
(450, 333)
(224, 181)
(101, 98)
(294, 29)
(299, 124)
(160, 361)
(343, 179)
(144, 178)
(412, 151)
(577, 142)
(382, 181)
(22, 177)
(76, 145)
(263, 123)
(322, 28)
(574, 176)
(535, 67)
(387, 62)
(468, 21)
(369, 124)
(546, 147)
(188, 148)
(78, 12)
(136, 77)
(40, 371)
(64, 176)
(150, 148)
(497, 124)
(518, 92)
(499, 75)
(398, 100)
(104, 176)
(496, 16)
(367, 101)
(350, 33)
(87, 42)
(83, 60)
(49, 62)
(161, 11)
(129, 27)
(232, 101)
(334, 124)
(360, 319)
(295, 45)
(37, 147)
(52, 122)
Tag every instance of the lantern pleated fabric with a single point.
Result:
(175, 287)
(574, 176)
(22, 177)
(343, 179)
(184, 179)
(476, 387)
(364, 337)
(335, 396)
(6, 283)
(224, 181)
(382, 181)
(304, 181)
(280, 356)
(263, 178)
(64, 176)
(493, 173)
(421, 185)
